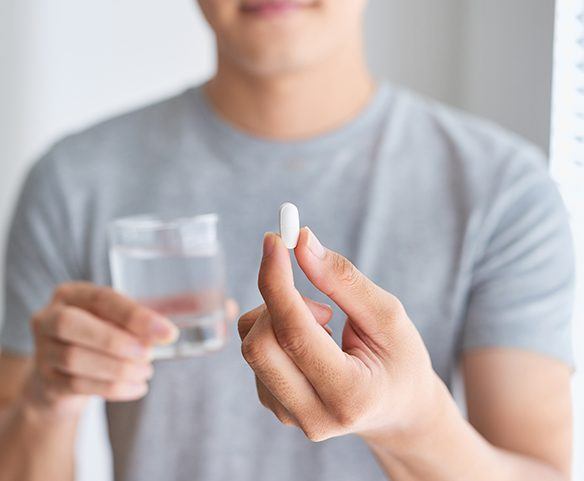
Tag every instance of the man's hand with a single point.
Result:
(380, 383)
(91, 340)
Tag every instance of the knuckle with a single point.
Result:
(396, 306)
(264, 401)
(291, 339)
(243, 325)
(346, 419)
(253, 351)
(288, 421)
(345, 271)
(391, 308)
(346, 416)
(62, 291)
(268, 401)
(284, 417)
(267, 288)
(314, 433)
(62, 322)
(241, 330)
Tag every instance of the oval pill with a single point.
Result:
(289, 224)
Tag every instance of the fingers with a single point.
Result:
(78, 353)
(370, 307)
(271, 403)
(73, 325)
(295, 328)
(321, 312)
(66, 384)
(276, 283)
(110, 305)
(279, 375)
(83, 362)
(247, 321)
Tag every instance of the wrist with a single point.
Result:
(37, 405)
(436, 411)
(443, 441)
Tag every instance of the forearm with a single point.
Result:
(450, 449)
(36, 445)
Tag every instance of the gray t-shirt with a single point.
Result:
(457, 218)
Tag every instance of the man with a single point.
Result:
(455, 218)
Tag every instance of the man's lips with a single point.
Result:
(268, 7)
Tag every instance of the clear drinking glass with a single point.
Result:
(176, 267)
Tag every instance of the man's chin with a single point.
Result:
(276, 60)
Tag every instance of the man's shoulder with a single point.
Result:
(473, 150)
(465, 132)
(144, 130)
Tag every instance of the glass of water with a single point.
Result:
(176, 267)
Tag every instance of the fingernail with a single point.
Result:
(269, 243)
(314, 245)
(323, 306)
(163, 330)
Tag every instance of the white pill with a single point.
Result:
(289, 224)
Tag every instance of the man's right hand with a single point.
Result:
(91, 340)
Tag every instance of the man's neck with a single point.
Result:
(294, 105)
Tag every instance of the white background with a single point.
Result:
(66, 63)
(567, 162)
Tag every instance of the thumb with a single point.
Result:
(371, 309)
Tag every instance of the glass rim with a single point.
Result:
(153, 222)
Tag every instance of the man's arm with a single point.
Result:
(521, 402)
(519, 408)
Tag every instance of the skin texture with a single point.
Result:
(381, 386)
(287, 77)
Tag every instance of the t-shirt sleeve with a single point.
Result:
(522, 286)
(39, 254)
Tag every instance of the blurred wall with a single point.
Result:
(66, 63)
(506, 72)
(417, 43)
(493, 57)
